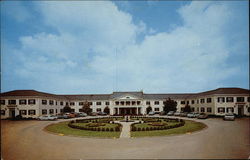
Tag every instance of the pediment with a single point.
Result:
(127, 97)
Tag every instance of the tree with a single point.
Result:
(66, 109)
(86, 108)
(149, 109)
(187, 108)
(169, 105)
(106, 110)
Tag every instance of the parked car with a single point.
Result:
(93, 114)
(162, 113)
(191, 115)
(82, 114)
(48, 117)
(69, 115)
(60, 116)
(229, 116)
(170, 113)
(151, 113)
(183, 114)
(177, 113)
(202, 116)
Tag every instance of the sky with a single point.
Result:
(84, 47)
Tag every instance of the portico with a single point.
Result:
(127, 111)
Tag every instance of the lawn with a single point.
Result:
(63, 129)
(190, 126)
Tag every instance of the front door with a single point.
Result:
(12, 113)
(240, 110)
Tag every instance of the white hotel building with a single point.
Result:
(31, 103)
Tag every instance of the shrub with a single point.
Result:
(147, 129)
(143, 129)
(107, 129)
(139, 129)
(103, 129)
(111, 130)
(117, 129)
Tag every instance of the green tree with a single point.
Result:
(169, 105)
(149, 109)
(106, 110)
(187, 108)
(86, 108)
(66, 109)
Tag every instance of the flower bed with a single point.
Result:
(157, 124)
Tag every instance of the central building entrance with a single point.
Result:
(128, 111)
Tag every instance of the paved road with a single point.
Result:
(222, 139)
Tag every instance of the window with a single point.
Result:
(2, 102)
(116, 102)
(133, 102)
(98, 110)
(187, 102)
(44, 111)
(67, 103)
(80, 110)
(51, 102)
(72, 103)
(202, 109)
(197, 101)
(31, 101)
(182, 102)
(240, 99)
(80, 103)
(22, 101)
(72, 110)
(221, 99)
(127, 97)
(182, 109)
(56, 102)
(157, 109)
(51, 111)
(192, 109)
(61, 103)
(192, 101)
(32, 112)
(221, 110)
(90, 103)
(230, 110)
(44, 102)
(127, 102)
(230, 99)
(202, 100)
(138, 102)
(12, 101)
(98, 103)
(23, 112)
(107, 103)
(209, 109)
(209, 100)
(2, 112)
(122, 103)
(148, 103)
(61, 110)
(198, 109)
(56, 110)
(248, 109)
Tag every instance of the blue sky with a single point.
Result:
(104, 46)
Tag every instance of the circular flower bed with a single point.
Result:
(156, 123)
(96, 124)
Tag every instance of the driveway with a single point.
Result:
(222, 139)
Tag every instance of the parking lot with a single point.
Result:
(222, 139)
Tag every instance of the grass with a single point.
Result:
(190, 126)
(63, 129)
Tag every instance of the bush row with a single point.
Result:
(133, 128)
(114, 129)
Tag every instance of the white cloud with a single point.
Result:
(81, 57)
